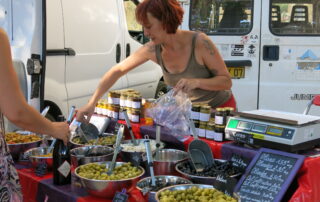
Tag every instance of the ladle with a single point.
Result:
(117, 149)
(199, 151)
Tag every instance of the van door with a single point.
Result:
(94, 38)
(290, 59)
(234, 26)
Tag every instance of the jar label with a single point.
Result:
(135, 118)
(204, 117)
(195, 115)
(115, 115)
(121, 115)
(122, 103)
(128, 103)
(65, 168)
(218, 120)
(210, 134)
(104, 111)
(99, 110)
(114, 101)
(202, 132)
(218, 137)
(136, 105)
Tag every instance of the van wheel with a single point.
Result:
(161, 89)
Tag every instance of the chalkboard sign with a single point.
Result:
(268, 176)
(225, 184)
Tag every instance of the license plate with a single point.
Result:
(237, 72)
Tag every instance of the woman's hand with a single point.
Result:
(186, 85)
(87, 110)
(61, 131)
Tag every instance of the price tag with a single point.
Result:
(239, 162)
(120, 196)
(225, 184)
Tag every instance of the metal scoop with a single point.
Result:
(126, 118)
(88, 131)
(158, 143)
(117, 149)
(146, 189)
(199, 151)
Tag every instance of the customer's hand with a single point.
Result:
(186, 85)
(84, 113)
(61, 131)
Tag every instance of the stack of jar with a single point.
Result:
(119, 101)
(210, 126)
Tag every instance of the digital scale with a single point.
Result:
(274, 129)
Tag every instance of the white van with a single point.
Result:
(63, 48)
(271, 47)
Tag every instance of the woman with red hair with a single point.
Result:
(190, 61)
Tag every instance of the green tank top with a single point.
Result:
(194, 70)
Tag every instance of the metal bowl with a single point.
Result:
(136, 155)
(75, 145)
(200, 179)
(18, 149)
(166, 160)
(182, 187)
(36, 160)
(108, 188)
(79, 155)
(161, 181)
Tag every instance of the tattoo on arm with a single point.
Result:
(209, 46)
(151, 48)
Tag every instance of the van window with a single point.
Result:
(135, 29)
(295, 17)
(228, 17)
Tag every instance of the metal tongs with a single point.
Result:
(72, 109)
(199, 151)
(158, 144)
(117, 149)
(126, 118)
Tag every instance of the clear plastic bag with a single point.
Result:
(172, 111)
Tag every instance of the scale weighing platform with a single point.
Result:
(274, 129)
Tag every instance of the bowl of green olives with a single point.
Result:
(192, 192)
(97, 182)
(162, 181)
(106, 139)
(209, 174)
(90, 154)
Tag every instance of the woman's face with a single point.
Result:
(154, 29)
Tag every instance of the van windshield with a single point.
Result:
(295, 17)
(232, 17)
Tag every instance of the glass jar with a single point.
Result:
(114, 97)
(121, 113)
(195, 111)
(105, 107)
(196, 126)
(202, 129)
(219, 133)
(229, 113)
(220, 116)
(123, 99)
(136, 101)
(210, 131)
(115, 111)
(205, 112)
(135, 115)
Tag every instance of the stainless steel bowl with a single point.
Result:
(166, 160)
(108, 188)
(90, 154)
(162, 181)
(75, 145)
(134, 155)
(18, 149)
(182, 187)
(36, 160)
(199, 179)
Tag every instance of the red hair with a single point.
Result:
(169, 12)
